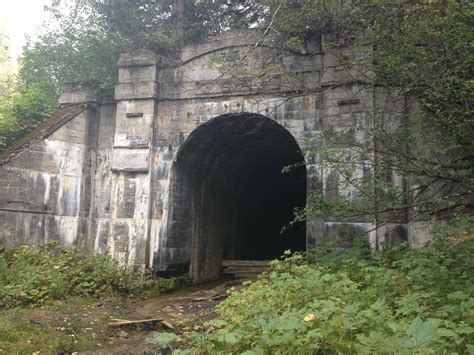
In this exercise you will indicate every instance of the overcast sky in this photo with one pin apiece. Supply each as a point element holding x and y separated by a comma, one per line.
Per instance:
<point>20,18</point>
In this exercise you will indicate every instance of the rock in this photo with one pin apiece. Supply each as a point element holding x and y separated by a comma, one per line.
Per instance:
<point>122,334</point>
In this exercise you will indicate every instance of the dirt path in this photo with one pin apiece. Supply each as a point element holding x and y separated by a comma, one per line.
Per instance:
<point>182,308</point>
<point>82,326</point>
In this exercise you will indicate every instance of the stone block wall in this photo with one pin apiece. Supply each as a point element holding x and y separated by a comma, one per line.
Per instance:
<point>105,179</point>
<point>45,190</point>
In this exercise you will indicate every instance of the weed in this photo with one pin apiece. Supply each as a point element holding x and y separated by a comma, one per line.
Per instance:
<point>32,275</point>
<point>400,300</point>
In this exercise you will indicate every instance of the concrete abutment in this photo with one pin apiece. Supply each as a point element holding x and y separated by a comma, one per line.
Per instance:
<point>181,167</point>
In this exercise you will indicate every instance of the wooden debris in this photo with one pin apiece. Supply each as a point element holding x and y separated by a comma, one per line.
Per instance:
<point>220,296</point>
<point>245,263</point>
<point>134,323</point>
<point>168,325</point>
<point>210,298</point>
<point>245,269</point>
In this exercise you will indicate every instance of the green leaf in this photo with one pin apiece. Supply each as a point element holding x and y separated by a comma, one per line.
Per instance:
<point>163,339</point>
<point>216,323</point>
<point>231,339</point>
<point>421,333</point>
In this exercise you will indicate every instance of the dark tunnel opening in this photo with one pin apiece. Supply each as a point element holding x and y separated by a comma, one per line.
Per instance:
<point>230,198</point>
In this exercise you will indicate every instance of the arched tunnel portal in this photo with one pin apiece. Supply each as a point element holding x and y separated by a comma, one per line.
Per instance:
<point>230,198</point>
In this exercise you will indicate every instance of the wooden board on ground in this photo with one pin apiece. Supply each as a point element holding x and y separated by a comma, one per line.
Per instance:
<point>116,323</point>
<point>245,263</point>
<point>247,270</point>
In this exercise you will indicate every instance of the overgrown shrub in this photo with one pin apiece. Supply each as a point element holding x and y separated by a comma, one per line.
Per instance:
<point>401,300</point>
<point>37,274</point>
<point>23,108</point>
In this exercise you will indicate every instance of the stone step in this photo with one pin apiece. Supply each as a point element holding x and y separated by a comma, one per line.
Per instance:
<point>245,263</point>
<point>252,277</point>
<point>245,269</point>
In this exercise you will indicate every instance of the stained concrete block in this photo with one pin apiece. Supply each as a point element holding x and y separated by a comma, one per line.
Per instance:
<point>131,159</point>
<point>135,90</point>
<point>131,74</point>
<point>138,58</point>
<point>80,92</point>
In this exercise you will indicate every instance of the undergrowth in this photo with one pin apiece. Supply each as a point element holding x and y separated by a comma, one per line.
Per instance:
<point>58,300</point>
<point>401,300</point>
<point>34,275</point>
<point>20,336</point>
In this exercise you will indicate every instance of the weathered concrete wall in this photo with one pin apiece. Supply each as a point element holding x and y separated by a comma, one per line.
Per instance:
<point>104,180</point>
<point>45,190</point>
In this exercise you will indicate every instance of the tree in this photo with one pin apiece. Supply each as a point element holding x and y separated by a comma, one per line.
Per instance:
<point>84,38</point>
<point>422,56</point>
<point>6,66</point>
<point>23,108</point>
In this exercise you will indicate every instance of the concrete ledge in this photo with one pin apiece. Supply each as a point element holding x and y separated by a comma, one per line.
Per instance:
<point>74,93</point>
<point>225,40</point>
<point>138,58</point>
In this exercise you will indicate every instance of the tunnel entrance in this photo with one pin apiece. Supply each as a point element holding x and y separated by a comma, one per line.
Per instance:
<point>230,199</point>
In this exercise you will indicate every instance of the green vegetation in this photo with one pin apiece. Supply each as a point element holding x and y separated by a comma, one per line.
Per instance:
<point>54,328</point>
<point>23,108</point>
<point>55,299</point>
<point>6,67</point>
<point>401,300</point>
<point>49,295</point>
<point>420,54</point>
<point>35,275</point>
<point>398,300</point>
<point>21,336</point>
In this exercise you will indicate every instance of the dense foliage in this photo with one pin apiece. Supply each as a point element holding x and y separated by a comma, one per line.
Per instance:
<point>402,300</point>
<point>6,67</point>
<point>85,37</point>
<point>422,57</point>
<point>23,108</point>
<point>32,275</point>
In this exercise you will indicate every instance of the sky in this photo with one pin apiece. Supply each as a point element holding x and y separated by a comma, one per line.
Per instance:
<point>20,18</point>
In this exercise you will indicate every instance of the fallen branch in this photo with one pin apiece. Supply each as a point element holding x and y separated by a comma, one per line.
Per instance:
<point>168,325</point>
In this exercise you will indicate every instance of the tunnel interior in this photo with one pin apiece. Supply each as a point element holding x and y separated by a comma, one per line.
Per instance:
<point>231,199</point>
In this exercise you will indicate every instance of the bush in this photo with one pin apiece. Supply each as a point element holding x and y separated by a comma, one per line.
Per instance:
<point>22,109</point>
<point>31,275</point>
<point>397,301</point>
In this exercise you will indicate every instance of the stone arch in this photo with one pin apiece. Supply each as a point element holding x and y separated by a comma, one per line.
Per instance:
<point>229,197</point>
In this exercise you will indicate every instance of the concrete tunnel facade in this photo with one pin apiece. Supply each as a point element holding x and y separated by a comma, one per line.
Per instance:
<point>182,166</point>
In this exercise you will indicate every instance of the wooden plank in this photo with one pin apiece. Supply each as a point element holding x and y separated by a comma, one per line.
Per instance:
<point>247,270</point>
<point>246,276</point>
<point>228,263</point>
<point>211,298</point>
